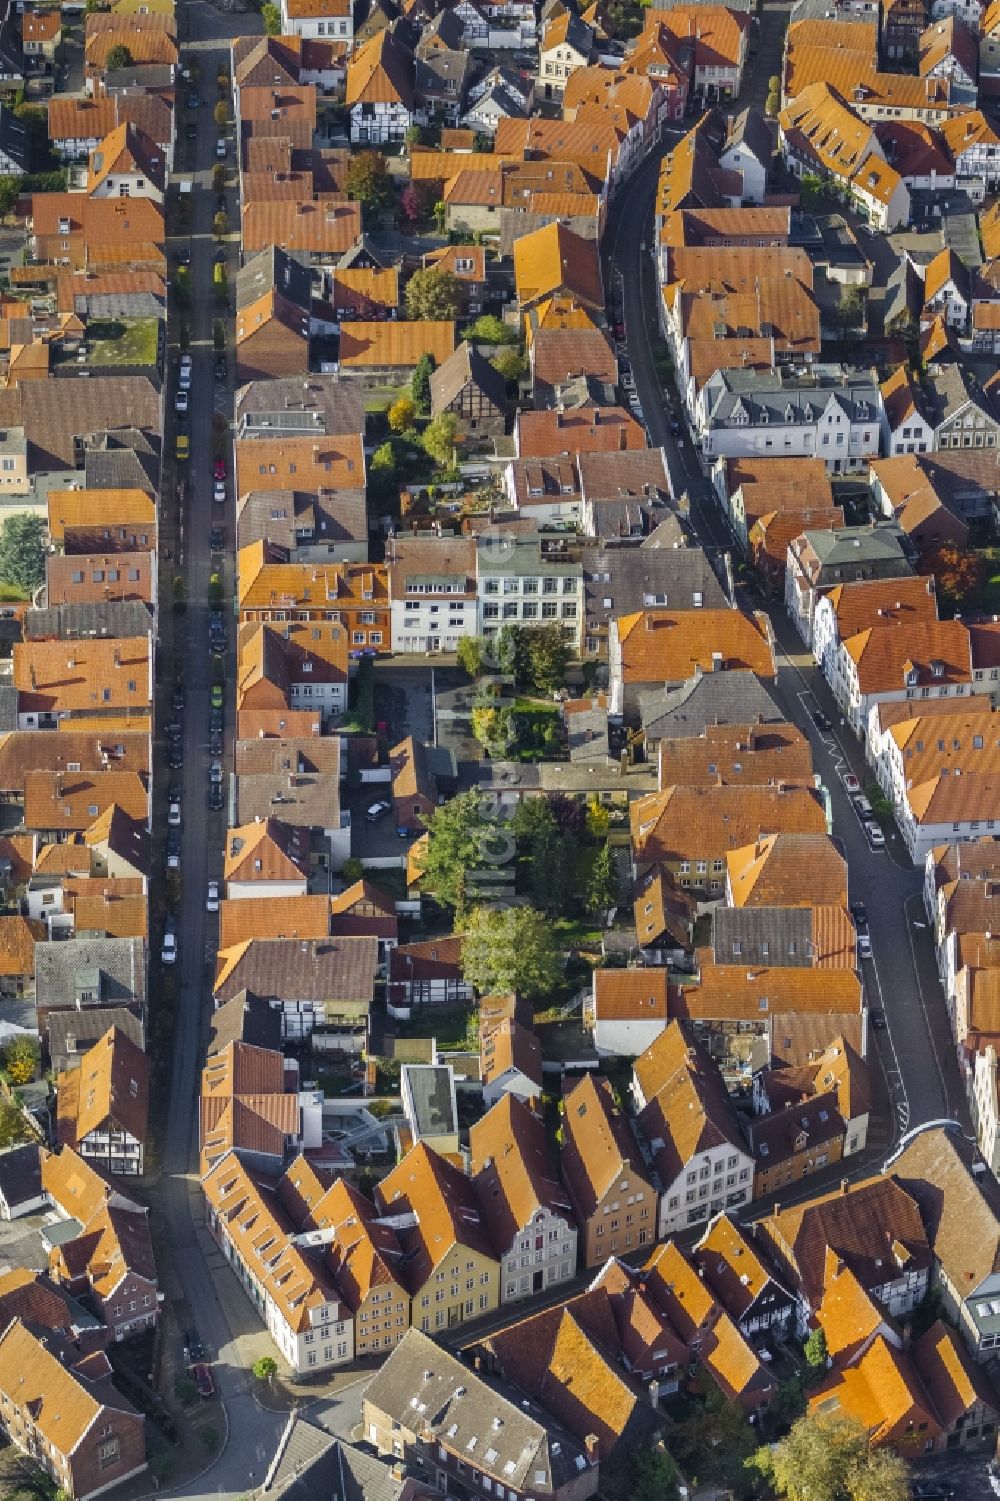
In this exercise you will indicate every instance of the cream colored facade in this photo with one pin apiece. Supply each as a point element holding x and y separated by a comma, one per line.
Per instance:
<point>464,1286</point>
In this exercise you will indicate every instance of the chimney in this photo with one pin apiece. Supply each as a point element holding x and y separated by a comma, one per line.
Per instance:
<point>717,661</point>
<point>622,440</point>
<point>654,1394</point>
<point>844,1187</point>
<point>590,1444</point>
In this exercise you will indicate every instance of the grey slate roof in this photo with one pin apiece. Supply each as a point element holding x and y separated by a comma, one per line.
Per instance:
<point>424,1386</point>
<point>8,707</point>
<point>322,969</point>
<point>619,580</point>
<point>750,132</point>
<point>714,698</point>
<point>948,388</point>
<point>116,964</point>
<point>310,799</point>
<point>13,138</point>
<point>765,397</point>
<point>246,1018</point>
<point>297,405</point>
<point>587,736</point>
<point>73,621</point>
<point>278,516</point>
<point>311,1464</point>
<point>776,936</point>
<point>20,1175</point>
<point>72,1032</point>
<point>852,545</point>
<point>273,270</point>
<point>120,469</point>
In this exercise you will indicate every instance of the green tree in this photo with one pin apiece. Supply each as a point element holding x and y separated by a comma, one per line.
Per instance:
<point>440,437</point>
<point>401,414</point>
<point>652,1474</point>
<point>489,329</point>
<point>420,381</point>
<point>598,819</point>
<point>512,950</point>
<point>368,180</point>
<point>510,364</point>
<point>470,655</point>
<point>20,1059</point>
<point>602,887</point>
<point>384,458</point>
<point>271,15</point>
<point>492,727</point>
<point>825,1457</point>
<point>9,189</point>
<point>456,831</point>
<point>352,870</point>
<point>220,225</point>
<point>265,1368</point>
<point>714,1443</point>
<point>811,190</point>
<point>434,293</point>
<point>440,216</point>
<point>118,57</point>
<point>414,136</point>
<point>220,114</point>
<point>815,1351</point>
<point>547,655</point>
<point>218,178</point>
<point>22,552</point>
<point>533,822</point>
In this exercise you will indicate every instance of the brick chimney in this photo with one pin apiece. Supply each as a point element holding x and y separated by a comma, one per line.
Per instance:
<point>590,1444</point>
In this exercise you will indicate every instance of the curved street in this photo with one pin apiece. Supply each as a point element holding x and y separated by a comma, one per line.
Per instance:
<point>915,1049</point>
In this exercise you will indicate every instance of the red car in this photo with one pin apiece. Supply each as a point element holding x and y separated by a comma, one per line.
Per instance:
<point>203,1379</point>
<point>219,469</point>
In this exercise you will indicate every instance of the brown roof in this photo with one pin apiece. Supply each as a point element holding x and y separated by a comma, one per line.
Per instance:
<point>62,1405</point>
<point>709,823</point>
<point>688,1110</point>
<point>278,917</point>
<point>737,754</point>
<point>872,602</point>
<point>512,1171</point>
<point>380,72</point>
<point>770,872</point>
<point>393,344</point>
<point>23,751</point>
<point>83,676</point>
<point>510,1045</point>
<point>73,800</point>
<point>599,1144</point>
<point>563,354</point>
<point>266,851</point>
<point>951,1378</point>
<point>670,646</point>
<point>732,1265</point>
<point>873,1226</point>
<point>631,994</point>
<point>938,652</point>
<point>323,227</point>
<point>733,990</point>
<point>110,1088</point>
<point>582,429</point>
<point>18,936</point>
<point>95,510</point>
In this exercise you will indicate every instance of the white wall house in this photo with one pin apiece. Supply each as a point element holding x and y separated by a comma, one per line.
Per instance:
<point>379,123</point>
<point>541,1255</point>
<point>747,413</point>
<point>333,20</point>
<point>435,620</point>
<point>629,1010</point>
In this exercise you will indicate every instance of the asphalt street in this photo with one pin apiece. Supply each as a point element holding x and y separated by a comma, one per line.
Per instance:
<point>251,1432</point>
<point>915,1051</point>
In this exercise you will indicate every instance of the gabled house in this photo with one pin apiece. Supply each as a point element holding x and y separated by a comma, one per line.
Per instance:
<point>467,385</point>
<point>740,1276</point>
<point>273,299</point>
<point>602,1167</point>
<point>379,94</point>
<point>525,1208</point>
<point>102,1108</point>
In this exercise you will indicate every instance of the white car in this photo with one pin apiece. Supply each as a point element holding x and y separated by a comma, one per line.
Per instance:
<point>851,783</point>
<point>174,815</point>
<point>186,360</point>
<point>875,836</point>
<point>864,946</point>
<point>219,491</point>
<point>184,378</point>
<point>181,402</point>
<point>212,899</point>
<point>220,148</point>
<point>168,953</point>
<point>215,773</point>
<point>863,806</point>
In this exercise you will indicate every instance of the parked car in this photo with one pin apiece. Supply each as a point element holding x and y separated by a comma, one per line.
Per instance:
<point>860,914</point>
<point>193,1347</point>
<point>851,783</point>
<point>219,469</point>
<point>821,722</point>
<point>181,402</point>
<point>220,367</point>
<point>875,836</point>
<point>215,773</point>
<point>863,806</point>
<point>216,539</point>
<point>864,946</point>
<point>191,131</point>
<point>177,699</point>
<point>192,100</point>
<point>174,815</point>
<point>217,695</point>
<point>215,743</point>
<point>173,850</point>
<point>221,148</point>
<point>175,756</point>
<point>212,899</point>
<point>378,810</point>
<point>203,1379</point>
<point>168,953</point>
<point>182,448</point>
<point>877,1017</point>
<point>184,256</point>
<point>215,797</point>
<point>219,491</point>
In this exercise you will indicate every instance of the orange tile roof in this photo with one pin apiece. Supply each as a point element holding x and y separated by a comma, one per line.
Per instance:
<point>83,676</point>
<point>599,1144</point>
<point>631,994</point>
<point>737,754</point>
<point>937,651</point>
<point>579,430</point>
<point>445,1205</point>
<point>709,823</point>
<point>18,936</point>
<point>267,851</point>
<point>322,227</point>
<point>110,1089</point>
<point>291,463</point>
<point>396,345</point>
<point>512,1171</point>
<point>279,917</point>
<point>73,800</point>
<point>93,510</point>
<point>883,1394</point>
<point>788,870</point>
<point>553,260</point>
<point>664,646</point>
<point>873,602</point>
<point>380,72</point>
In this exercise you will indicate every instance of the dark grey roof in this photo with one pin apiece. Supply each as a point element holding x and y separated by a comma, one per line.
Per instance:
<point>465,366</point>
<point>516,1442</point>
<point>20,1175</point>
<point>8,706</point>
<point>59,416</point>
<point>667,533</point>
<point>446,26</point>
<point>73,621</point>
<point>574,392</point>
<point>321,969</point>
<point>13,138</point>
<point>140,76</point>
<point>433,72</point>
<point>776,936</point>
<point>579,35</point>
<point>273,270</point>
<point>246,1018</point>
<point>587,735</point>
<point>115,965</point>
<point>845,545</point>
<point>309,800</point>
<point>620,580</point>
<point>363,253</point>
<point>749,130</point>
<point>72,1032</point>
<point>120,469</point>
<point>310,1464</point>
<point>300,519</point>
<point>764,396</point>
<point>299,404</point>
<point>103,305</point>
<point>714,698</point>
<point>614,521</point>
<point>903,293</point>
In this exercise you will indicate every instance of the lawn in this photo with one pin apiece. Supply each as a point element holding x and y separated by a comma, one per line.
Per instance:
<point>989,595</point>
<point>536,726</point>
<point>10,592</point>
<point>452,1027</point>
<point>123,341</point>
